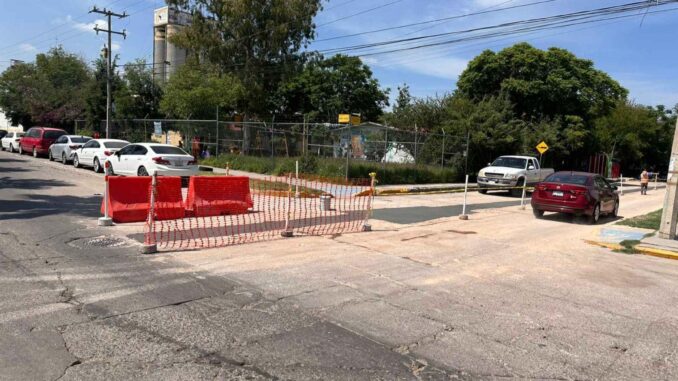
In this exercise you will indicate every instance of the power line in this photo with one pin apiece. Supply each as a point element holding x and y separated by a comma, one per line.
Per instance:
<point>359,13</point>
<point>434,21</point>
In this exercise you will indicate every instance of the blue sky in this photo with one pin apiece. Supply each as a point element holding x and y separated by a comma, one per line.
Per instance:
<point>640,56</point>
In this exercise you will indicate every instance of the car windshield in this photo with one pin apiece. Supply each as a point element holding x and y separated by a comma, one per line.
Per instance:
<point>115,144</point>
<point>168,150</point>
<point>510,162</point>
<point>567,178</point>
<point>51,134</point>
<point>80,139</point>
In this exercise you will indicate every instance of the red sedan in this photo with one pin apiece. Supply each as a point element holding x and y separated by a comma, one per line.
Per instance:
<point>578,193</point>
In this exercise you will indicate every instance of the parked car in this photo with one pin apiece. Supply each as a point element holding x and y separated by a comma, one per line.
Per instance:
<point>64,147</point>
<point>578,193</point>
<point>10,141</point>
<point>511,172</point>
<point>38,140</point>
<point>96,152</point>
<point>146,159</point>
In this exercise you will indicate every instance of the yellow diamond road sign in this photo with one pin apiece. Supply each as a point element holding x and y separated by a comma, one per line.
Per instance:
<point>542,147</point>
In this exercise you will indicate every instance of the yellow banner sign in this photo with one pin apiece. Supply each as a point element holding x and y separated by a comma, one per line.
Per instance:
<point>344,118</point>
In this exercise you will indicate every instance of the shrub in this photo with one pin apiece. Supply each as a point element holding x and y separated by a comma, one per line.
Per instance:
<point>387,173</point>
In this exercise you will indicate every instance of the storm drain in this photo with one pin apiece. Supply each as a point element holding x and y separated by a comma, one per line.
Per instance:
<point>101,242</point>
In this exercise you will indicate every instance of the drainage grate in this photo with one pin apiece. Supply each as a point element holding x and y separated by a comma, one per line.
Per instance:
<point>105,242</point>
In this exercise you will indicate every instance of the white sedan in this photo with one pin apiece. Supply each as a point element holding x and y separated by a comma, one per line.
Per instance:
<point>96,152</point>
<point>11,141</point>
<point>146,159</point>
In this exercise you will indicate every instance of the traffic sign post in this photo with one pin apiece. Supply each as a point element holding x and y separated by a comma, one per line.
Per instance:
<point>542,147</point>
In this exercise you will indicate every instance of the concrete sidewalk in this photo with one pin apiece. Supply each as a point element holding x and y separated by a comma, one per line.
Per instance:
<point>659,247</point>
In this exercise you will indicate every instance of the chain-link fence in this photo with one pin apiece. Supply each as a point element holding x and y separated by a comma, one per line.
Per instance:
<point>368,142</point>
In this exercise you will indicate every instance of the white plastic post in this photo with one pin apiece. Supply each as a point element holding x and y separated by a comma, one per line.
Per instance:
<point>296,186</point>
<point>288,231</point>
<point>522,198</point>
<point>106,219</point>
<point>367,227</point>
<point>655,181</point>
<point>463,215</point>
<point>151,246</point>
<point>621,184</point>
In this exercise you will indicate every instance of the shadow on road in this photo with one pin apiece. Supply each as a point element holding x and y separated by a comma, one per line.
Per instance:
<point>42,205</point>
<point>8,182</point>
<point>14,169</point>
<point>416,214</point>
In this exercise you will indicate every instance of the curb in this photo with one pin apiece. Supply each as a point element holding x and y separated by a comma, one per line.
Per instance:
<point>656,252</point>
<point>607,245</point>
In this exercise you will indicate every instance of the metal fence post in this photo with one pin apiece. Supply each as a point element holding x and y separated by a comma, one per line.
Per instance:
<point>105,220</point>
<point>442,152</point>
<point>655,181</point>
<point>463,215</point>
<point>288,230</point>
<point>367,227</point>
<point>150,245</point>
<point>296,184</point>
<point>216,149</point>
<point>621,184</point>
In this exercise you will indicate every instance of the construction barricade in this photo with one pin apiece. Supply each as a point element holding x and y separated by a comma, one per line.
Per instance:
<point>225,210</point>
<point>129,198</point>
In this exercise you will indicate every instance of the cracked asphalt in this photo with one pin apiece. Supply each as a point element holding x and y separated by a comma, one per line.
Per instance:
<point>424,296</point>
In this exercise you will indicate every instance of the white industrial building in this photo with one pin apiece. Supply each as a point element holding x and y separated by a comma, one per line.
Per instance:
<point>6,124</point>
<point>166,56</point>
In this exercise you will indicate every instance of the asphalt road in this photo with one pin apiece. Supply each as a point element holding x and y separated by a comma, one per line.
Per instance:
<point>75,307</point>
<point>424,296</point>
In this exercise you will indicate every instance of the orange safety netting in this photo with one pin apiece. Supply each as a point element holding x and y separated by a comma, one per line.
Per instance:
<point>228,210</point>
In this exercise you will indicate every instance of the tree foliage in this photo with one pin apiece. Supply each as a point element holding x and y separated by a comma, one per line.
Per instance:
<point>140,96</point>
<point>195,91</point>
<point>257,41</point>
<point>328,87</point>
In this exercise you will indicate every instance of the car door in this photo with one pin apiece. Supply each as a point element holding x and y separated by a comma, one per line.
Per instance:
<point>137,159</point>
<point>605,194</point>
<point>58,146</point>
<point>85,153</point>
<point>531,172</point>
<point>121,160</point>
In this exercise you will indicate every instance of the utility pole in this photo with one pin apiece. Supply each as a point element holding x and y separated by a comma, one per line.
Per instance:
<point>109,57</point>
<point>667,229</point>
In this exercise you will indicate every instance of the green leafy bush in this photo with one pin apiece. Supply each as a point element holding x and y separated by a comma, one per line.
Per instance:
<point>387,173</point>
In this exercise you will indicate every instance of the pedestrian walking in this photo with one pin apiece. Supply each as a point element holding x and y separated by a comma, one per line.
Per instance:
<point>195,147</point>
<point>644,181</point>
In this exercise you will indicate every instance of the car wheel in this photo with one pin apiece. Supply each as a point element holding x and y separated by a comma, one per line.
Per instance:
<point>518,190</point>
<point>595,216</point>
<point>482,191</point>
<point>11,148</point>
<point>35,152</point>
<point>615,211</point>
<point>96,166</point>
<point>63,159</point>
<point>21,150</point>
<point>538,213</point>
<point>142,171</point>
<point>49,155</point>
<point>76,161</point>
<point>109,170</point>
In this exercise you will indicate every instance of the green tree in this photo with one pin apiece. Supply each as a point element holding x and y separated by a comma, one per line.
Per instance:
<point>17,85</point>
<point>257,41</point>
<point>48,92</point>
<point>541,84</point>
<point>195,91</point>
<point>328,87</point>
<point>141,96</point>
<point>96,90</point>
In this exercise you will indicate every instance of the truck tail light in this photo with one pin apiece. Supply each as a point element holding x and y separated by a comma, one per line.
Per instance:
<point>160,160</point>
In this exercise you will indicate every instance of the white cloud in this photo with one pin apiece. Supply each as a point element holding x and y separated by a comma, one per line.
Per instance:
<point>115,46</point>
<point>89,27</point>
<point>27,48</point>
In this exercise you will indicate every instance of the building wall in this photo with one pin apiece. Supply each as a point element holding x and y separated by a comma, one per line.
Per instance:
<point>5,124</point>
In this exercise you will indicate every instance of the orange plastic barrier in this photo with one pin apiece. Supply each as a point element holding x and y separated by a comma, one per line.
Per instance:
<point>129,198</point>
<point>218,195</point>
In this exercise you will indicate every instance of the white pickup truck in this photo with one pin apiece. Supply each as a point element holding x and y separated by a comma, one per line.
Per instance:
<point>511,172</point>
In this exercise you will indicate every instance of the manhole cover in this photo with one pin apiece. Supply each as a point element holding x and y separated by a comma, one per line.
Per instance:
<point>100,242</point>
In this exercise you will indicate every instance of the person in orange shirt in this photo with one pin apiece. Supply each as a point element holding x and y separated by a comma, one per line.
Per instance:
<point>644,180</point>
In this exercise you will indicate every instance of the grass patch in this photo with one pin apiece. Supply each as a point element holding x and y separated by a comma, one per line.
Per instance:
<point>387,173</point>
<point>651,220</point>
<point>629,246</point>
